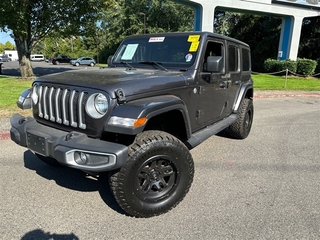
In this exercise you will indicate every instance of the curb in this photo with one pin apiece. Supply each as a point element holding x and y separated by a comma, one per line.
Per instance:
<point>282,95</point>
<point>6,135</point>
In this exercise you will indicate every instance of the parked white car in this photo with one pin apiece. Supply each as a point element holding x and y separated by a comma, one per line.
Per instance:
<point>37,57</point>
<point>83,61</point>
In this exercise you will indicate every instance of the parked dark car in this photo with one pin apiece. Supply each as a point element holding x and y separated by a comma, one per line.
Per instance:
<point>4,58</point>
<point>61,59</point>
<point>83,61</point>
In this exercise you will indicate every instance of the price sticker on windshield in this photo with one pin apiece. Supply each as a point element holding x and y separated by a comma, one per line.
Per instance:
<point>194,38</point>
<point>194,46</point>
<point>129,52</point>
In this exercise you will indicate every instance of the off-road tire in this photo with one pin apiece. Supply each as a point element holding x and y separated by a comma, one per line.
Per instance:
<point>156,177</point>
<point>48,160</point>
<point>241,128</point>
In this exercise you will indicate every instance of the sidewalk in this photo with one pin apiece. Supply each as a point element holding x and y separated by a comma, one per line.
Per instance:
<point>280,94</point>
<point>5,122</point>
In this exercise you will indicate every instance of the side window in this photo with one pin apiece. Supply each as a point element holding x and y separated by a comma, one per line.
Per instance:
<point>213,49</point>
<point>233,56</point>
<point>245,59</point>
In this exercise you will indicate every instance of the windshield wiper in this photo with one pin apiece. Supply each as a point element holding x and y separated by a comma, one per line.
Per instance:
<point>129,66</point>
<point>155,63</point>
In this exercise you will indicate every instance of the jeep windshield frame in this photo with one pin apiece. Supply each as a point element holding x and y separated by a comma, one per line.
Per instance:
<point>165,51</point>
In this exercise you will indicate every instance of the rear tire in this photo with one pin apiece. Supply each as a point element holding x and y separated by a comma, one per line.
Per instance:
<point>241,128</point>
<point>156,177</point>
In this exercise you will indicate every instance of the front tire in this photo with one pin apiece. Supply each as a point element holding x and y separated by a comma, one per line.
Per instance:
<point>241,128</point>
<point>156,177</point>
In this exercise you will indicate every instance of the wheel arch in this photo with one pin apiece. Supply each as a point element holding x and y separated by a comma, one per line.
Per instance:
<point>246,91</point>
<point>167,113</point>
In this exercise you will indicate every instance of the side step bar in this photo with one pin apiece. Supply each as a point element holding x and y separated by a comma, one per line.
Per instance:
<point>203,134</point>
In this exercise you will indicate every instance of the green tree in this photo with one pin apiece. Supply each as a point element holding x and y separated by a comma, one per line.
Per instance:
<point>310,39</point>
<point>8,46</point>
<point>262,33</point>
<point>126,17</point>
<point>31,21</point>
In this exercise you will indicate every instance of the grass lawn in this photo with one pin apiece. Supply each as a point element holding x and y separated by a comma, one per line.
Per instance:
<point>292,83</point>
<point>11,87</point>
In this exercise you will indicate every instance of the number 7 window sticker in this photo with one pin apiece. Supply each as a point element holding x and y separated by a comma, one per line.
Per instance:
<point>194,45</point>
<point>194,40</point>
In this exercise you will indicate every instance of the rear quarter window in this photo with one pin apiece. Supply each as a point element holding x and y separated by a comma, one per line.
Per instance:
<point>233,57</point>
<point>245,59</point>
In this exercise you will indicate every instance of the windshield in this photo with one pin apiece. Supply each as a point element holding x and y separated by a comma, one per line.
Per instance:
<point>168,51</point>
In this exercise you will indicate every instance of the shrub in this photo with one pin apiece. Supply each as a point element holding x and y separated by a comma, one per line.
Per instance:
<point>287,64</point>
<point>270,65</point>
<point>306,67</point>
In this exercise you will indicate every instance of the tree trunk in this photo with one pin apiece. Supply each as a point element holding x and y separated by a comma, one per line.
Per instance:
<point>24,58</point>
<point>25,67</point>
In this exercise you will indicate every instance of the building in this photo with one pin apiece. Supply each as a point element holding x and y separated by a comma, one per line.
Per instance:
<point>13,54</point>
<point>292,13</point>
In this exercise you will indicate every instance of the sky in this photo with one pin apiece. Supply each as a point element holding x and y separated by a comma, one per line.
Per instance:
<point>4,37</point>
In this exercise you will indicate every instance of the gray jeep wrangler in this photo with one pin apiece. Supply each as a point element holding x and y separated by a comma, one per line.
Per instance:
<point>162,95</point>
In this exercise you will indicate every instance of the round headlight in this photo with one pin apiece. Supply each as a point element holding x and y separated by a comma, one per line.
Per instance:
<point>97,105</point>
<point>101,103</point>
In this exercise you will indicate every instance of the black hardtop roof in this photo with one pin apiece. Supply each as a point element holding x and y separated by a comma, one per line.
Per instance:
<point>202,34</point>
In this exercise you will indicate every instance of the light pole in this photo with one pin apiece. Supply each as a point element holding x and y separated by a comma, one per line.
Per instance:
<point>144,21</point>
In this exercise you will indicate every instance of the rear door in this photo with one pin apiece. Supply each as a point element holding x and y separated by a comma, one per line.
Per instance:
<point>233,76</point>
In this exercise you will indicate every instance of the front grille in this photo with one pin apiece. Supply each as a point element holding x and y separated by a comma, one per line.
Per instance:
<point>63,106</point>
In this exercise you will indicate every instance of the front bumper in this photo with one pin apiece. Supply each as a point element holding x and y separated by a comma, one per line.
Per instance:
<point>73,149</point>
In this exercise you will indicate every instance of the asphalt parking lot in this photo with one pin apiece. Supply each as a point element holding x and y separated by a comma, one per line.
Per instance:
<point>39,68</point>
<point>264,187</point>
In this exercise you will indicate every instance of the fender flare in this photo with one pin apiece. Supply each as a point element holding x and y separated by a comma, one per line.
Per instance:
<point>245,88</point>
<point>147,107</point>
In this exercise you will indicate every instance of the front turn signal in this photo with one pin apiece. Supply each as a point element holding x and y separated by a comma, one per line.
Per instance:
<point>139,122</point>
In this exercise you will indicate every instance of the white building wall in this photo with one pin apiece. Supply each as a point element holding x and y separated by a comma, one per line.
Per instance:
<point>13,54</point>
<point>288,45</point>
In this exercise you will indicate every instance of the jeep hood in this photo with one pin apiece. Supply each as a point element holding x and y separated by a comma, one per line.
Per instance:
<point>133,82</point>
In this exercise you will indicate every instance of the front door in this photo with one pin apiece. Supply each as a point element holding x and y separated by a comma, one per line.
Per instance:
<point>212,90</point>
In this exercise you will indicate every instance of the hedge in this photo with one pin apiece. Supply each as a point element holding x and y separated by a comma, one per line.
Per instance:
<point>302,66</point>
<point>306,67</point>
<point>272,65</point>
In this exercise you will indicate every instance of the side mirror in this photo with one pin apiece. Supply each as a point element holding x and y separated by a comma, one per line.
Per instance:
<point>214,64</point>
<point>24,101</point>
<point>109,61</point>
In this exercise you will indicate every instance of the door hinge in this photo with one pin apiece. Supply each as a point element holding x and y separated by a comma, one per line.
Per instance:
<point>121,97</point>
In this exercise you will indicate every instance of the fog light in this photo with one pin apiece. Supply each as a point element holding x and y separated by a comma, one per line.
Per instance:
<point>80,157</point>
<point>83,157</point>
